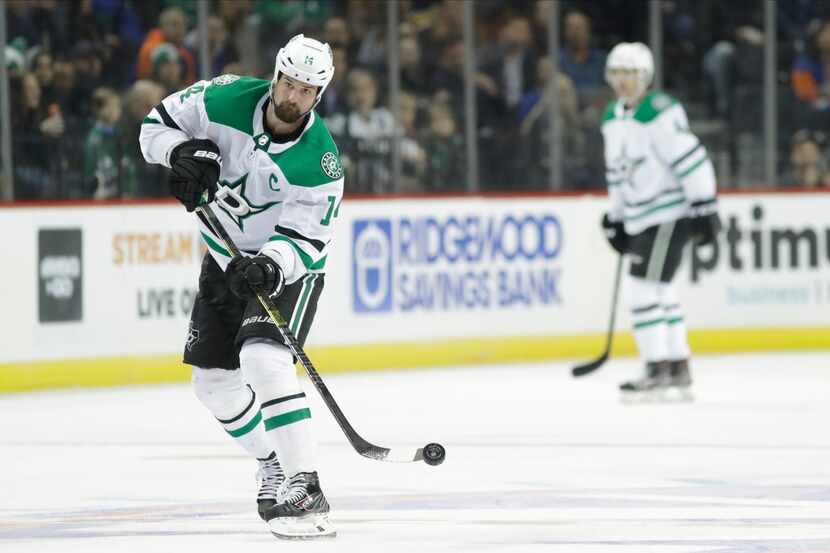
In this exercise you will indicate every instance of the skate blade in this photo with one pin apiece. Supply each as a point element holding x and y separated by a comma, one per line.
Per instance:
<point>672,394</point>
<point>640,396</point>
<point>677,394</point>
<point>309,527</point>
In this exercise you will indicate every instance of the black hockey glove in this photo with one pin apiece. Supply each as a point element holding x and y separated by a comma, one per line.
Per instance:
<point>704,222</point>
<point>194,170</point>
<point>615,234</point>
<point>249,275</point>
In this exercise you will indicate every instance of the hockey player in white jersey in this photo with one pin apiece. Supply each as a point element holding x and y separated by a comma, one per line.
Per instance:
<point>280,187</point>
<point>662,192</point>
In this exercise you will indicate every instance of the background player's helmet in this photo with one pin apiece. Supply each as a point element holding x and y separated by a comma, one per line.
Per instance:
<point>307,60</point>
<point>633,56</point>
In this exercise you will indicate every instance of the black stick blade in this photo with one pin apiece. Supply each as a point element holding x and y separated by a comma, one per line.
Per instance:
<point>588,368</point>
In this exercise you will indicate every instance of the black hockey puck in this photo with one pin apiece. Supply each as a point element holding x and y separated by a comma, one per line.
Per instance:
<point>434,454</point>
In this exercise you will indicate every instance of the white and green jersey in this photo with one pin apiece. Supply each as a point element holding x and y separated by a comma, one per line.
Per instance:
<point>655,166</point>
<point>278,198</point>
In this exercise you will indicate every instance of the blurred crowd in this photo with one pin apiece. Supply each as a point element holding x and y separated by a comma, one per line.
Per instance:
<point>84,73</point>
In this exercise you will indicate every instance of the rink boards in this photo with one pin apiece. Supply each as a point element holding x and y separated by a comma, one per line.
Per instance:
<point>101,295</point>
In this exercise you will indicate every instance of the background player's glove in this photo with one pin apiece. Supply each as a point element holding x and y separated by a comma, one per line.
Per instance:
<point>615,234</point>
<point>704,222</point>
<point>248,275</point>
<point>194,168</point>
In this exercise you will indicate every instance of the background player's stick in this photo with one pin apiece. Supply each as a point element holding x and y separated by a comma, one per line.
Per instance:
<point>431,454</point>
<point>587,368</point>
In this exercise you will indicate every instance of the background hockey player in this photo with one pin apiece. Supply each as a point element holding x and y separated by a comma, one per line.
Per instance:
<point>281,184</point>
<point>662,192</point>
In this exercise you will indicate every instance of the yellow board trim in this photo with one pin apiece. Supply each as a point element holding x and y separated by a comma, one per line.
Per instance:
<point>120,371</point>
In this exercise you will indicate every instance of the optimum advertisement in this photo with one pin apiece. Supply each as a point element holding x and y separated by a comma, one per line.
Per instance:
<point>771,265</point>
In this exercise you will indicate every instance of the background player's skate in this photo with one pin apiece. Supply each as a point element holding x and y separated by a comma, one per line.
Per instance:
<point>663,381</point>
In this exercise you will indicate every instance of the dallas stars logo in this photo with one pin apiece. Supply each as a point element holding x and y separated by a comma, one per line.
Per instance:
<point>192,337</point>
<point>623,167</point>
<point>232,200</point>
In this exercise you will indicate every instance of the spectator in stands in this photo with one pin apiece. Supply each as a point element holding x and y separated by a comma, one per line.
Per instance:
<point>810,74</point>
<point>337,34</point>
<point>15,62</point>
<point>808,164</point>
<point>371,49</point>
<point>42,22</point>
<point>88,67</point>
<point>34,131</point>
<point>334,100</point>
<point>413,157</point>
<point>63,83</point>
<point>539,26</point>
<point>31,113</point>
<point>444,149</point>
<point>363,134</point>
<point>43,69</point>
<point>496,128</point>
<point>583,63</point>
<point>108,171</point>
<point>115,29</point>
<point>167,71</point>
<point>172,28</point>
<point>731,64</point>
<point>279,20</point>
<point>448,85</point>
<point>514,73</point>
<point>234,13</point>
<point>534,151</point>
<point>142,97</point>
<point>221,50</point>
<point>438,26</point>
<point>413,73</point>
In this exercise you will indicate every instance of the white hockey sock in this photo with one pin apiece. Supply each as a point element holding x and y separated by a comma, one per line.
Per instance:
<point>269,367</point>
<point>235,406</point>
<point>648,319</point>
<point>678,342</point>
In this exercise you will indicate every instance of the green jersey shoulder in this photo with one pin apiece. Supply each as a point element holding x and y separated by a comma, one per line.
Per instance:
<point>653,104</point>
<point>230,100</point>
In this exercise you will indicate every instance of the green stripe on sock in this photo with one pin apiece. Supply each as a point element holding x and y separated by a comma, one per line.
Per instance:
<point>287,418</point>
<point>645,324</point>
<point>674,320</point>
<point>247,428</point>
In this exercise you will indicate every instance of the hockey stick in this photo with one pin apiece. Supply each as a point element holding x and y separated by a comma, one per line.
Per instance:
<point>431,454</point>
<point>588,368</point>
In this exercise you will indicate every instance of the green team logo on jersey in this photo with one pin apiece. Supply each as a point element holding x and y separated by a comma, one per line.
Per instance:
<point>331,165</point>
<point>231,199</point>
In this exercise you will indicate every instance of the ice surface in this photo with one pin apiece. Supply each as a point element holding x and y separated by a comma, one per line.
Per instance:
<point>536,461</point>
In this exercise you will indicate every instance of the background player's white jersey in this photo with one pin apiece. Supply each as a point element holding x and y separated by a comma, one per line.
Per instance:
<point>281,196</point>
<point>655,166</point>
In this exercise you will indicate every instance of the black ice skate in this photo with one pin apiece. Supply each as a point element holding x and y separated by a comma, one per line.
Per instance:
<point>270,477</point>
<point>649,386</point>
<point>679,382</point>
<point>679,374</point>
<point>302,511</point>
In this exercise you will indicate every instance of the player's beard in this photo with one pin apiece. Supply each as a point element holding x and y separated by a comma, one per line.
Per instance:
<point>287,113</point>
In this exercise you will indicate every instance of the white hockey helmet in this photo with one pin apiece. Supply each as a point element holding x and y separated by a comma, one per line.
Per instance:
<point>631,56</point>
<point>307,60</point>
